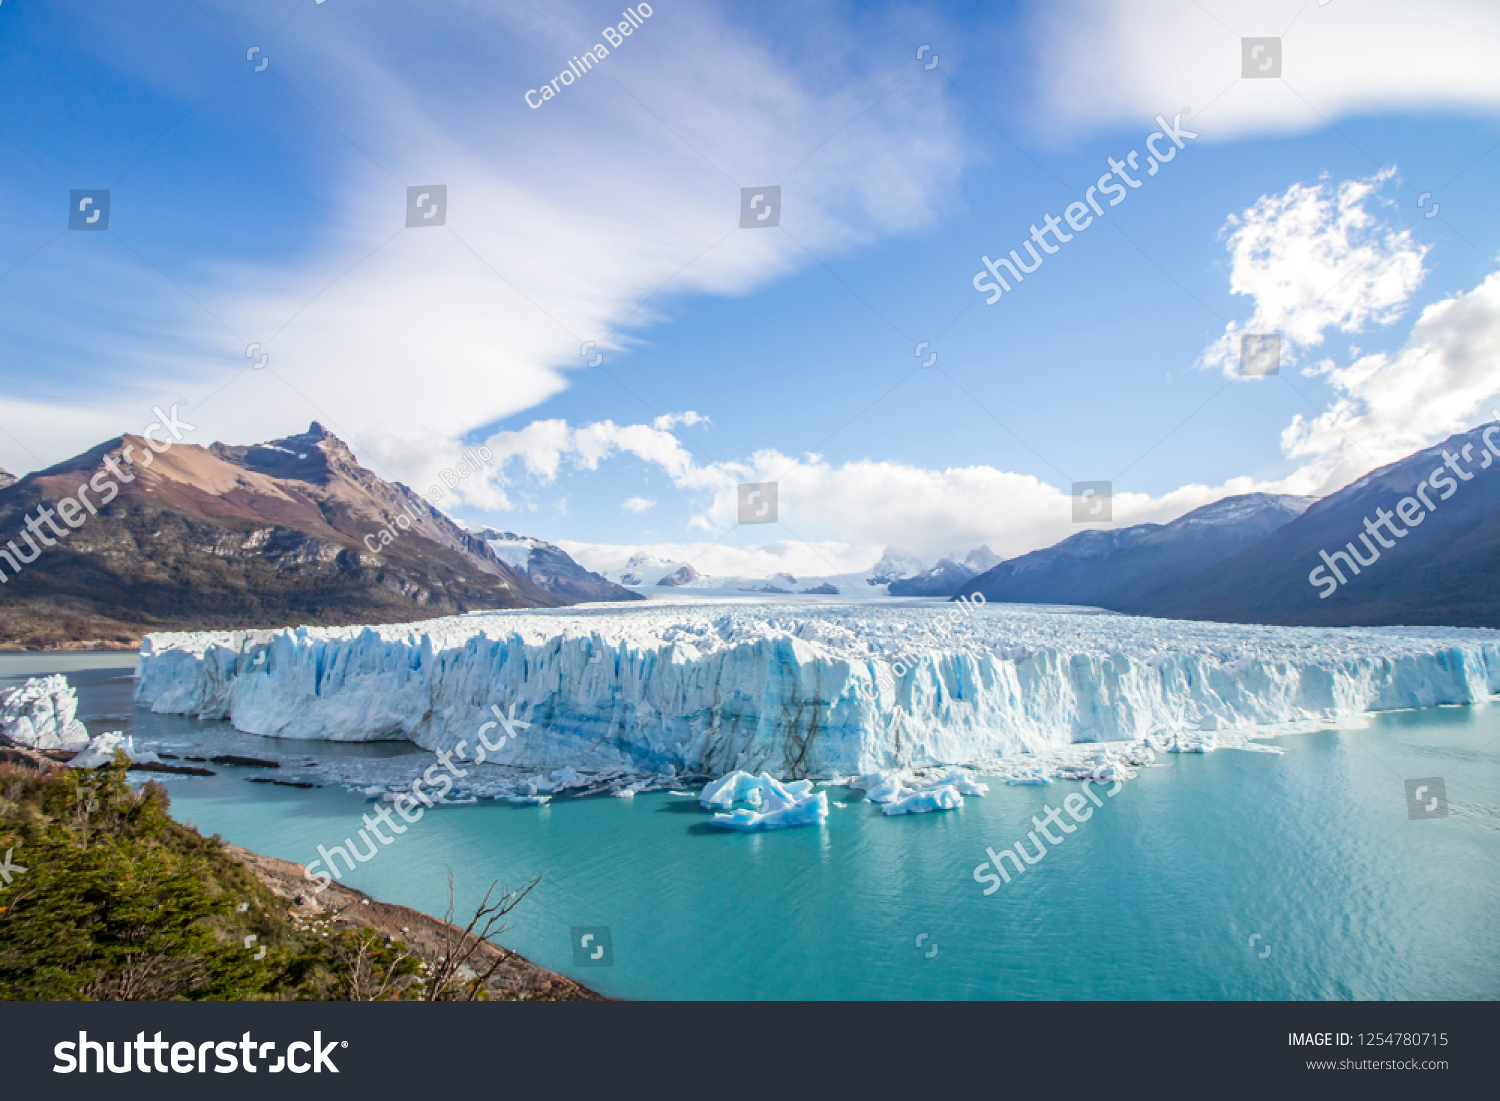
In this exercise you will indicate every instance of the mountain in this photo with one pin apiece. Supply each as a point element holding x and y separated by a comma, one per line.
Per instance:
<point>682,576</point>
<point>550,567</point>
<point>893,566</point>
<point>7,478</point>
<point>944,579</point>
<point>1121,568</point>
<point>981,558</point>
<point>284,533</point>
<point>1439,569</point>
<point>898,573</point>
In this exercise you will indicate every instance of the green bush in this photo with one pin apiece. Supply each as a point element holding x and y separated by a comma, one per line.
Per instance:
<point>119,902</point>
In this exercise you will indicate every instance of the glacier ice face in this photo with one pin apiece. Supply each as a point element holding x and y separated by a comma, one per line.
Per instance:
<point>40,715</point>
<point>807,690</point>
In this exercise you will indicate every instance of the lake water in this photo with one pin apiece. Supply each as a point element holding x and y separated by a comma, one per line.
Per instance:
<point>1158,895</point>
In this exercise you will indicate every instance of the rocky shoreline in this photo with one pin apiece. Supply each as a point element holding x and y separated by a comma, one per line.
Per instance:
<point>517,978</point>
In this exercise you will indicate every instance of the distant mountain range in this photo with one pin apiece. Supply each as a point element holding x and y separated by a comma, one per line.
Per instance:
<point>284,533</point>
<point>896,574</point>
<point>1414,543</point>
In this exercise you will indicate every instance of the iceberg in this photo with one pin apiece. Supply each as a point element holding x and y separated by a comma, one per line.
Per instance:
<point>704,690</point>
<point>101,751</point>
<point>40,715</point>
<point>782,806</point>
<point>943,797</point>
<point>906,793</point>
<point>741,787</point>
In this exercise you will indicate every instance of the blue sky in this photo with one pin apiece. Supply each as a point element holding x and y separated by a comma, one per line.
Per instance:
<point>268,207</point>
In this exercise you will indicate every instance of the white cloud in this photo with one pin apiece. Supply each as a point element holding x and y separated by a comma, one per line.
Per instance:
<point>638,504</point>
<point>1106,62</point>
<point>843,515</point>
<point>1316,258</point>
<point>668,421</point>
<point>1442,381</point>
<point>562,224</point>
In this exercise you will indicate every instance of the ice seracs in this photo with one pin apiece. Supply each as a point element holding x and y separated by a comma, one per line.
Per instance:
<point>40,715</point>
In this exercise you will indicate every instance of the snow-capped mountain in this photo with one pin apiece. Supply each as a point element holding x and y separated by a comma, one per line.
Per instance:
<point>549,567</point>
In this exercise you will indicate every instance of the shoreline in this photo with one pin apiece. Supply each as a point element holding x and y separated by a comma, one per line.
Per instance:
<point>517,979</point>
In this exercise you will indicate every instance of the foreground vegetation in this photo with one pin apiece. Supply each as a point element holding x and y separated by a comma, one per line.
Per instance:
<point>104,897</point>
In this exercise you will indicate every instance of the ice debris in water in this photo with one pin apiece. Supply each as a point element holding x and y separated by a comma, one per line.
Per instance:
<point>101,751</point>
<point>781,805</point>
<point>40,715</point>
<point>907,793</point>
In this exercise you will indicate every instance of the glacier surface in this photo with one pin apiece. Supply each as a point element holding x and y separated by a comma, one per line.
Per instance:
<point>819,690</point>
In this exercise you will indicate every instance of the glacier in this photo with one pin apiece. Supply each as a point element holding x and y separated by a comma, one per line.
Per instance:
<point>697,691</point>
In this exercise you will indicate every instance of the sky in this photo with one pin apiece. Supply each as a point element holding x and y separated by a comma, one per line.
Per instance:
<point>585,303</point>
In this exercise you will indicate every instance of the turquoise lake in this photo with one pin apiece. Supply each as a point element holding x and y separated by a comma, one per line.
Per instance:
<point>1157,896</point>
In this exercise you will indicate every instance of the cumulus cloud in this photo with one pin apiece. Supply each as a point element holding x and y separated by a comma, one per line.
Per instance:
<point>842,514</point>
<point>1316,258</point>
<point>1443,380</point>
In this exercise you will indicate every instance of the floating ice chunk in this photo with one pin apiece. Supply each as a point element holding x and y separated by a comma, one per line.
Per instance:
<point>962,781</point>
<point>1190,743</point>
<point>810,810</point>
<point>923,802</point>
<point>101,751</point>
<point>737,787</point>
<point>625,793</point>
<point>530,800</point>
<point>40,715</point>
<point>881,787</point>
<point>1029,776</point>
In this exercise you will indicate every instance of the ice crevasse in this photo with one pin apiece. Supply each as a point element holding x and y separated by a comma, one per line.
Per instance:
<point>799,691</point>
